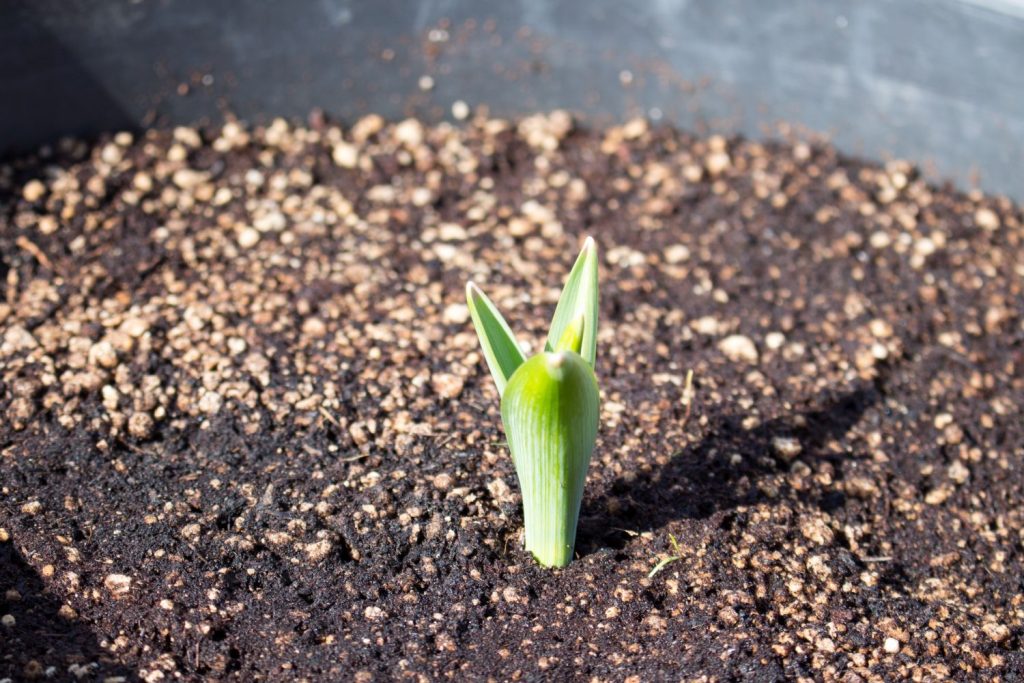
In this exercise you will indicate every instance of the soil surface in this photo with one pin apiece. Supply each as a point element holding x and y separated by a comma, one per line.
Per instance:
<point>248,433</point>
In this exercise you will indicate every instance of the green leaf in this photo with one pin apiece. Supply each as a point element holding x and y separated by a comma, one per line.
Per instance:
<point>578,298</point>
<point>550,412</point>
<point>664,562</point>
<point>499,343</point>
<point>668,559</point>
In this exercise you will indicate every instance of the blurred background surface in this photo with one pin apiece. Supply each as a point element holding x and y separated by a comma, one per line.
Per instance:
<point>938,82</point>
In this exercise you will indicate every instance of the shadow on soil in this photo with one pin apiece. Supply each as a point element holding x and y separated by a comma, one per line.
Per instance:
<point>705,478</point>
<point>40,637</point>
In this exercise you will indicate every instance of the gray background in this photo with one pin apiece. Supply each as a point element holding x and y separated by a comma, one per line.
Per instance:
<point>940,82</point>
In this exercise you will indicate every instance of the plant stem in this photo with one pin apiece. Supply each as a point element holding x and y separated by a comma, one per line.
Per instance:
<point>550,515</point>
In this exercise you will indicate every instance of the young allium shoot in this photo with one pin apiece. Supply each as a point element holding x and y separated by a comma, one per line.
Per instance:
<point>549,407</point>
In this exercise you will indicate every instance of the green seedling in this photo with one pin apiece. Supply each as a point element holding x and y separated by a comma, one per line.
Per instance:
<point>549,407</point>
<point>668,559</point>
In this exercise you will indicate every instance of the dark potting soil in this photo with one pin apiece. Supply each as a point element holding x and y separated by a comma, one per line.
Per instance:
<point>248,433</point>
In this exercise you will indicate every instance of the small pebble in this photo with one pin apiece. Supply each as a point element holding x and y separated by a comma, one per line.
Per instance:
<point>33,190</point>
<point>997,632</point>
<point>677,253</point>
<point>717,163</point>
<point>20,412</point>
<point>728,616</point>
<point>739,349</point>
<point>880,239</point>
<point>452,232</point>
<point>938,495</point>
<point>118,584</point>
<point>786,447</point>
<point>460,110</point>
<point>345,155</point>
<point>188,179</point>
<point>191,531</point>
<point>237,345</point>
<point>111,154</point>
<point>447,385</point>
<point>319,550</point>
<point>33,507</point>
<point>210,402</point>
<point>135,327</point>
<point>140,425</point>
<point>314,327</point>
<point>248,238</point>
<point>500,490</point>
<point>774,340</point>
<point>277,539</point>
<point>103,354</point>
<point>817,531</point>
<point>986,219</point>
<point>367,127</point>
<point>456,314</point>
<point>958,472</point>
<point>409,133</point>
<point>707,324</point>
<point>635,128</point>
<point>47,225</point>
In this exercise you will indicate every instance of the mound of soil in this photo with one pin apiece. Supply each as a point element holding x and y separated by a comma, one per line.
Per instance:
<point>249,434</point>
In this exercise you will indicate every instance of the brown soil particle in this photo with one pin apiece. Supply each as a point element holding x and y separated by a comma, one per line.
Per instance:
<point>249,434</point>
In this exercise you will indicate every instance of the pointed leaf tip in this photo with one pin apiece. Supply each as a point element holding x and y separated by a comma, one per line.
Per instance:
<point>579,298</point>
<point>501,350</point>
